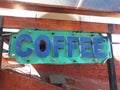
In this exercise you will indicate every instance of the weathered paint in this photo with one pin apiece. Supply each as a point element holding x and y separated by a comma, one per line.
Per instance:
<point>76,47</point>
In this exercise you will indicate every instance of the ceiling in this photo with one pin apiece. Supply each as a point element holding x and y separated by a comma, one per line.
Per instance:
<point>102,4</point>
<point>92,4</point>
<point>113,5</point>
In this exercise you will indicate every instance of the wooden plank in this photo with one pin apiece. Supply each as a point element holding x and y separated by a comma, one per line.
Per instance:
<point>57,9</point>
<point>20,22</point>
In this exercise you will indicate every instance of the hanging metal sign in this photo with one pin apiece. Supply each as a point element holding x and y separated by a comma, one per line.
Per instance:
<point>40,46</point>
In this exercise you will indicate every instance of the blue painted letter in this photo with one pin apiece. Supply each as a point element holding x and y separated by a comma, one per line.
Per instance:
<point>57,45</point>
<point>98,47</point>
<point>86,47</point>
<point>37,46</point>
<point>18,46</point>
<point>70,44</point>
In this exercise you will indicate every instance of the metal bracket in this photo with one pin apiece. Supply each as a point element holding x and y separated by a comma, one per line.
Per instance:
<point>110,63</point>
<point>57,79</point>
<point>110,27</point>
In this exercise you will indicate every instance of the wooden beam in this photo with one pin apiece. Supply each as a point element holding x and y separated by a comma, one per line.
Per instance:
<point>20,22</point>
<point>116,28</point>
<point>57,9</point>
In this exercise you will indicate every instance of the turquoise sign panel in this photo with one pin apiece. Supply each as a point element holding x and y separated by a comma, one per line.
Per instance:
<point>41,46</point>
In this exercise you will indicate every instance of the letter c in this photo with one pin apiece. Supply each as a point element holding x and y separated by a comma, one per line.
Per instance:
<point>18,45</point>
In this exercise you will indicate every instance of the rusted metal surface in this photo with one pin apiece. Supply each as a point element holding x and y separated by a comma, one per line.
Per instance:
<point>76,76</point>
<point>58,9</point>
<point>94,76</point>
<point>13,81</point>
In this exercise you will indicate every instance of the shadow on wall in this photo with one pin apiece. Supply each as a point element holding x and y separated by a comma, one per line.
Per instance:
<point>60,16</point>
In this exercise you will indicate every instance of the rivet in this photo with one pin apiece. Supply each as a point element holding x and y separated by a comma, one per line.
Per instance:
<point>53,33</point>
<point>28,61</point>
<point>74,60</point>
<point>74,33</point>
<point>95,60</point>
<point>30,32</point>
<point>53,59</point>
<point>13,55</point>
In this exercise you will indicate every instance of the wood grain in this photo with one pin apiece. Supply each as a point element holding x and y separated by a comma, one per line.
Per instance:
<point>20,22</point>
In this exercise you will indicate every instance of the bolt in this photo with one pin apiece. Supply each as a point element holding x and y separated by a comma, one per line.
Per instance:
<point>74,33</point>
<point>53,59</point>
<point>53,33</point>
<point>30,32</point>
<point>28,61</point>
<point>14,37</point>
<point>74,60</point>
<point>13,55</point>
<point>95,60</point>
